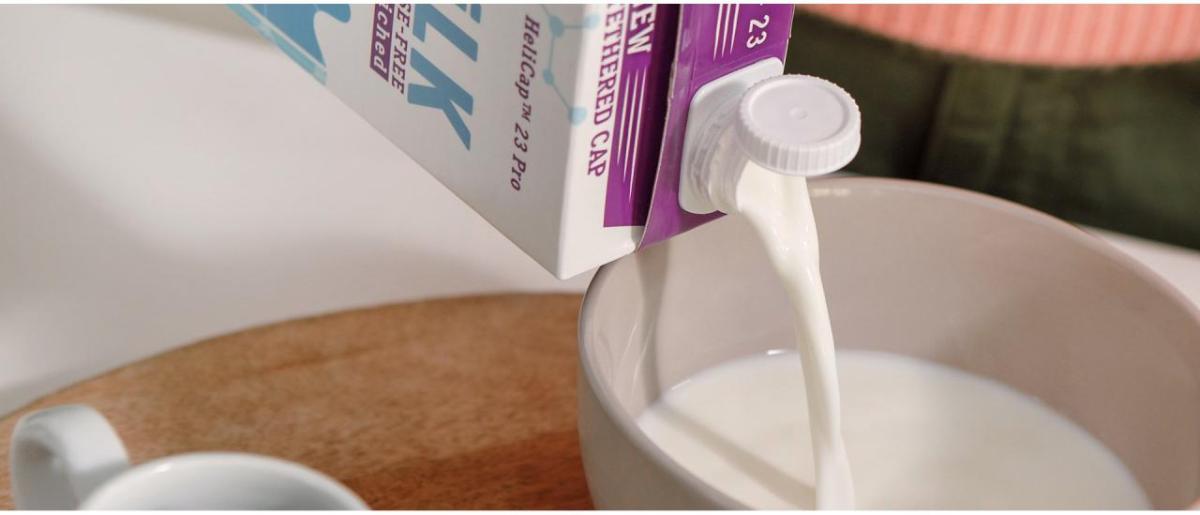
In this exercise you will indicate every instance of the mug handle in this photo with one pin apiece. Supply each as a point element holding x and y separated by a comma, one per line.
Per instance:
<point>61,454</point>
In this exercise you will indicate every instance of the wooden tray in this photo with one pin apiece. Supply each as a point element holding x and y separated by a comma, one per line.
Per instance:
<point>456,403</point>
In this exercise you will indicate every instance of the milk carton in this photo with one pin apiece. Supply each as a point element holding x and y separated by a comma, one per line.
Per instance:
<point>562,125</point>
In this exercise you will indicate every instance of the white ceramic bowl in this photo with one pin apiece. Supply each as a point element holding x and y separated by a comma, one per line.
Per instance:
<point>939,273</point>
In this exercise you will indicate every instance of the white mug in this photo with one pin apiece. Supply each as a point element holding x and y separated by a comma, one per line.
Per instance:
<point>70,457</point>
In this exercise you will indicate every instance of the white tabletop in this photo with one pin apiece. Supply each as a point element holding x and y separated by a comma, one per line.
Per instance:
<point>157,188</point>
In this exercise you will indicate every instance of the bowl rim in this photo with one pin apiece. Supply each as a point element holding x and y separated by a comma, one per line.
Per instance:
<point>1073,232</point>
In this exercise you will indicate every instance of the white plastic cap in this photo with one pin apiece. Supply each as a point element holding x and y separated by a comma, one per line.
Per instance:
<point>798,125</point>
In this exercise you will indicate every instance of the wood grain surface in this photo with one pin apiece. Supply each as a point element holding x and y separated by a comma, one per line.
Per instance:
<point>455,403</point>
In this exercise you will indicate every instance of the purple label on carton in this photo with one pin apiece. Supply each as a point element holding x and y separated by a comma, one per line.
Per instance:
<point>381,38</point>
<point>713,41</point>
<point>645,46</point>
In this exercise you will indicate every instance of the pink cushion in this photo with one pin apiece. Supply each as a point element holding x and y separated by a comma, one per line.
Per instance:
<point>1065,35</point>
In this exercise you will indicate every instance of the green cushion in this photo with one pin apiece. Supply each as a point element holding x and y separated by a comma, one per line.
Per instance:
<point>1117,148</point>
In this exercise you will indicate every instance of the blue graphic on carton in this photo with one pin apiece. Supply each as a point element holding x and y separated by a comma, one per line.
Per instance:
<point>575,114</point>
<point>291,28</point>
<point>443,92</point>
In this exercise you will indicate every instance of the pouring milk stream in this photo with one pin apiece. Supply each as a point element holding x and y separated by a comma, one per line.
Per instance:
<point>750,153</point>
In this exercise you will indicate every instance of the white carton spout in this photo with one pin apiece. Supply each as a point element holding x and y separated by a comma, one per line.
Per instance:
<point>789,124</point>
